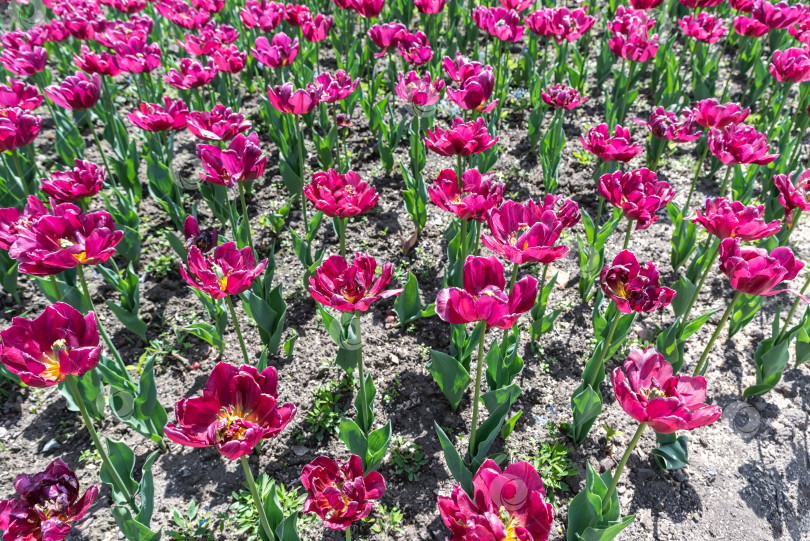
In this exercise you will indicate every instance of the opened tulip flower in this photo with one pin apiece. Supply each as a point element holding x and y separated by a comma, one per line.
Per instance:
<point>743,6</point>
<point>204,240</point>
<point>238,409</point>
<point>229,59</point>
<point>59,342</point>
<point>137,56</point>
<point>668,125</point>
<point>19,94</point>
<point>430,7</point>
<point>192,74</point>
<point>461,69</point>
<point>476,196</point>
<point>182,14</point>
<point>610,148</point>
<point>368,8</point>
<point>386,35</point>
<point>84,180</point>
<point>560,23</point>
<point>277,53</point>
<point>418,91</point>
<point>517,5</point>
<point>710,113</point>
<point>501,23</point>
<point>703,27</point>
<point>77,92</point>
<point>210,39</point>
<point>241,161</point>
<point>634,287</point>
<point>153,117</point>
<point>563,97</point>
<point>264,15</point>
<point>750,27</point>
<point>25,60</point>
<point>636,46</point>
<point>336,87</point>
<point>219,124</point>
<point>524,233</point>
<point>102,63</point>
<point>508,504</point>
<point>340,195</point>
<point>287,99</point>
<point>339,492</point>
<point>567,211</point>
<point>461,139</point>
<point>474,93</point>
<point>779,15</point>
<point>316,29</point>
<point>351,288</point>
<point>793,194</point>
<point>414,48</point>
<point>800,30</point>
<point>756,272</point>
<point>639,194</point>
<point>18,128</point>
<point>733,220</point>
<point>790,66</point>
<point>228,271</point>
<point>47,505</point>
<point>740,143</point>
<point>645,4</point>
<point>12,220</point>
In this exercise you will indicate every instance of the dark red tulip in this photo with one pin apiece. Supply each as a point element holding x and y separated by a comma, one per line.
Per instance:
<point>228,271</point>
<point>756,272</point>
<point>462,139</point>
<point>639,194</point>
<point>340,195</point>
<point>731,219</point>
<point>83,181</point>
<point>524,233</point>
<point>350,288</point>
<point>476,196</point>
<point>634,287</point>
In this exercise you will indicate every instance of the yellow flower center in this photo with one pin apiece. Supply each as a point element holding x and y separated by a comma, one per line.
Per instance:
<point>222,278</point>
<point>510,522</point>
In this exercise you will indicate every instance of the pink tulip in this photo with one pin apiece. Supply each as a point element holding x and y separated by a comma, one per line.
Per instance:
<point>645,4</point>
<point>611,148</point>
<point>340,195</point>
<point>205,240</point>
<point>181,14</point>
<point>462,139</point>
<point>710,113</point>
<point>192,74</point>
<point>136,56</point>
<point>228,271</point>
<point>219,124</point>
<point>317,28</point>
<point>500,23</point>
<point>740,144</point>
<point>414,48</point>
<point>567,211</point>
<point>793,194</point>
<point>475,91</point>
<point>743,6</point>
<point>368,8</point>
<point>800,30</point>
<point>754,271</point>
<point>517,5</point>
<point>18,128</point>
<point>430,7</point>
<point>649,392</point>
<point>461,69</point>
<point>560,23</point>
<point>125,6</point>
<point>19,94</point>
<point>750,27</point>
<point>337,87</point>
<point>351,288</point>
<point>639,194</point>
<point>286,99</point>
<point>12,221</point>
<point>83,181</point>
<point>703,27</point>
<point>524,233</point>
<point>418,91</point>
<point>229,59</point>
<point>779,15</point>
<point>476,196</point>
<point>628,20</point>
<point>108,33</point>
<point>563,97</point>
<point>693,4</point>
<point>264,15</point>
<point>731,219</point>
<point>483,297</point>
<point>634,287</point>
<point>278,53</point>
<point>637,46</point>
<point>24,61</point>
<point>386,35</point>
<point>153,117</point>
<point>241,161</point>
<point>665,124</point>
<point>77,92</point>
<point>102,63</point>
<point>791,65</point>
<point>211,6</point>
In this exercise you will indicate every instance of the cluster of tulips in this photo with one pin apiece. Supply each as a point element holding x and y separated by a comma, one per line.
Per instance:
<point>134,74</point>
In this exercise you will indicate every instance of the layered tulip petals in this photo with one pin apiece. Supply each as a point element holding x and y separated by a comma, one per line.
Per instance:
<point>632,286</point>
<point>639,194</point>
<point>350,288</point>
<point>756,272</point>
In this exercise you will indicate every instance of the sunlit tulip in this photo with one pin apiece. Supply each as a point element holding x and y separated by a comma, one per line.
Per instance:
<point>287,99</point>
<point>611,148</point>
<point>703,27</point>
<point>791,65</point>
<point>563,97</point>
<point>340,195</point>
<point>476,196</point>
<point>336,87</point>
<point>229,59</point>
<point>743,6</point>
<point>350,288</point>
<point>501,23</point>
<point>710,113</point>
<point>461,139</point>
<point>204,240</point>
<point>219,124</point>
<point>793,194</point>
<point>153,117</point>
<point>560,23</point>
<point>779,15</point>
<point>226,271</point>
<point>136,56</point>
<point>296,14</point>
<point>182,14</point>
<point>414,48</point>
<point>750,27</point>
<point>18,127</point>
<point>667,125</point>
<point>19,94</point>
<point>241,161</point>
<point>279,52</point>
<point>386,36</point>
<point>639,194</point>
<point>634,287</point>
<point>474,93</point>
<point>461,69</point>
<point>102,63</point>
<point>524,233</point>
<point>430,7</point>
<point>83,181</point>
<point>264,15</point>
<point>77,92</point>
<point>317,28</point>
<point>756,272</point>
<point>418,91</point>
<point>740,143</point>
<point>192,74</point>
<point>636,46</point>
<point>12,220</point>
<point>731,219</point>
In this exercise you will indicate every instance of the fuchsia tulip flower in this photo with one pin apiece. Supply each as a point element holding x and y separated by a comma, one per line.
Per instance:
<point>414,48</point>
<point>703,27</point>
<point>229,59</point>
<point>616,148</point>
<point>386,35</point>
<point>501,23</point>
<point>634,287</point>
<point>649,392</point>
<point>238,409</point>
<point>800,30</point>
<point>793,195</point>
<point>779,15</point>
<point>517,5</point>
<point>750,27</point>
<point>137,27</point>
<point>65,240</point>
<point>102,63</point>
<point>418,91</point>
<point>296,14</point>
<point>351,288</point>
<point>77,92</point>
<point>337,87</point>
<point>628,20</point>
<point>740,143</point>
<point>265,16</point>
<point>567,211</point>
<point>483,297</point>
<point>476,196</point>
<point>462,139</point>
<point>12,221</point>
<point>219,124</point>
<point>125,6</point>
<point>368,8</point>
<point>694,4</point>
<point>241,161</point>
<point>181,14</point>
<point>153,117</point>
<point>278,53</point>
<point>461,69</point>
<point>48,505</point>
<point>136,56</point>
<point>228,271</point>
<point>752,270</point>
<point>19,94</point>
<point>205,240</point>
<point>25,60</point>
<point>210,39</point>
<point>639,194</point>
<point>340,195</point>
<point>507,505</point>
<point>192,74</point>
<point>475,91</point>
<point>743,6</point>
<point>636,46</point>
<point>524,233</point>
<point>790,66</point>
<point>710,113</point>
<point>287,99</point>
<point>645,4</point>
<point>563,97</point>
<point>560,23</point>
<point>18,127</point>
<point>665,124</point>
<point>731,219</point>
<point>211,6</point>
<point>338,492</point>
<point>430,7</point>
<point>84,180</point>
<point>59,342</point>
<point>316,29</point>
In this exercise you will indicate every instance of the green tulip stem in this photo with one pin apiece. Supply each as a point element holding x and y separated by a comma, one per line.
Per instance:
<point>57,292</point>
<point>70,382</point>
<point>780,107</point>
<point>337,138</point>
<point>627,234</point>
<point>477,394</point>
<point>793,310</point>
<point>607,341</point>
<point>724,186</point>
<point>715,252</point>
<point>301,182</point>
<point>797,214</point>
<point>26,188</point>
<point>512,280</point>
<point>101,330</point>
<point>349,533</point>
<point>257,500</point>
<point>100,150</point>
<point>698,170</point>
<point>625,457</point>
<point>238,329</point>
<point>342,235</point>
<point>700,368</point>
<point>245,215</point>
<point>363,413</point>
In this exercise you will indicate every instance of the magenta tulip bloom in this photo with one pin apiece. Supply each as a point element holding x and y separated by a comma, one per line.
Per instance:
<point>77,92</point>
<point>228,271</point>
<point>414,48</point>
<point>430,7</point>
<point>12,221</point>
<point>634,287</point>
<point>649,392</point>
<point>137,56</point>
<point>567,211</point>
<point>60,342</point>
<point>731,219</point>
<point>665,124</point>
<point>517,5</point>
<point>204,240</point>
<point>368,8</point>
<point>462,139</point>
<point>694,4</point>
<point>210,39</point>
<point>793,195</point>
<point>47,506</point>
<point>560,23</point>
<point>337,87</point>
<point>751,28</point>
<point>483,297</point>
<point>524,233</point>
<point>153,117</point>
<point>340,196</point>
<point>264,15</point>
<point>616,148</point>
<point>501,23</point>
<point>645,4</point>
<point>19,94</point>
<point>64,241</point>
<point>418,91</point>
<point>711,113</point>
<point>790,66</point>
<point>350,288</point>
<point>280,52</point>
<point>703,27</point>
<point>639,194</point>
<point>25,60</point>
<point>102,63</point>
<point>563,97</point>
<point>743,6</point>
<point>181,14</point>
<point>637,46</point>
<point>238,409</point>
<point>192,74</point>
<point>84,180</point>
<point>386,35</point>
<point>219,124</point>
<point>229,59</point>
<point>461,69</point>
<point>317,28</point>
<point>476,196</point>
<point>800,30</point>
<point>241,161</point>
<point>779,15</point>
<point>740,144</point>
<point>475,91</point>
<point>18,128</point>
<point>286,99</point>
<point>752,270</point>
<point>339,492</point>
<point>108,33</point>
<point>508,505</point>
